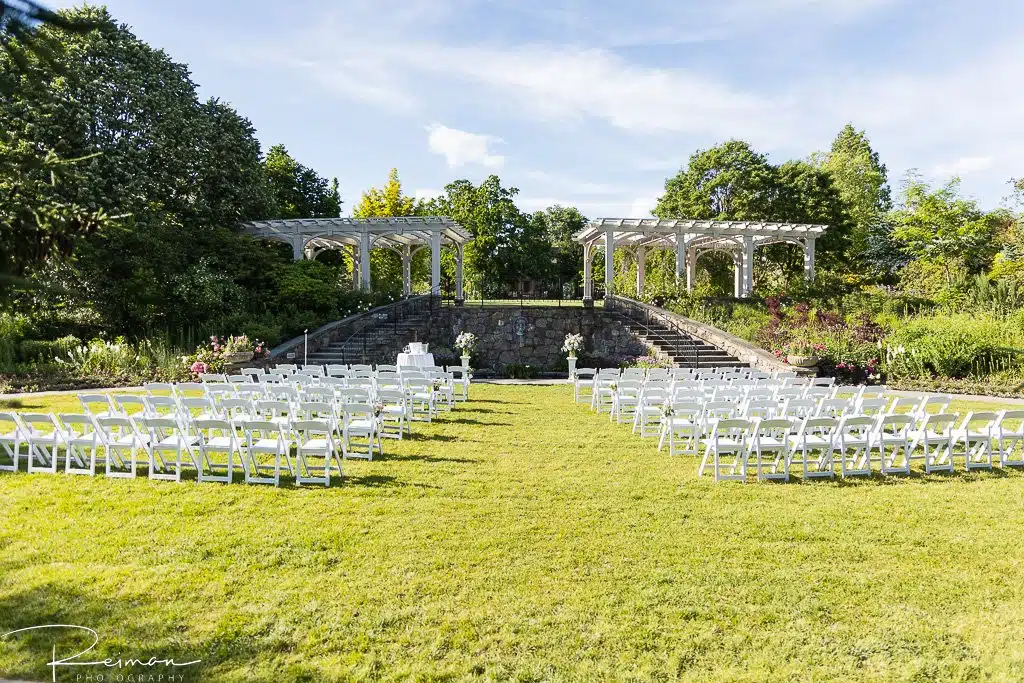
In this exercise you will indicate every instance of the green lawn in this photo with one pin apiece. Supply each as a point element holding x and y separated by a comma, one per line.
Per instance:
<point>522,537</point>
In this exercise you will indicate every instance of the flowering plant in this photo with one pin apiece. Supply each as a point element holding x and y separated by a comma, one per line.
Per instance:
<point>802,347</point>
<point>465,342</point>
<point>212,357</point>
<point>198,368</point>
<point>573,344</point>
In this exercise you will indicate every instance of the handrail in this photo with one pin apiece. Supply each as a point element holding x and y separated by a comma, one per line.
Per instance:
<point>684,346</point>
<point>396,313</point>
<point>731,344</point>
<point>348,327</point>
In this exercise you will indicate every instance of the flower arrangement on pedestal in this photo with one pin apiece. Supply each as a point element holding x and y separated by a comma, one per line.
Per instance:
<point>466,342</point>
<point>803,354</point>
<point>572,346</point>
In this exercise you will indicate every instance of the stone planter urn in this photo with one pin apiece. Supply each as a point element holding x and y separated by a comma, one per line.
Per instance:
<point>572,367</point>
<point>802,361</point>
<point>239,357</point>
<point>465,362</point>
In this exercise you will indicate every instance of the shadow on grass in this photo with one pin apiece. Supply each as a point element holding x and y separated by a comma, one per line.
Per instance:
<point>470,421</point>
<point>429,458</point>
<point>126,629</point>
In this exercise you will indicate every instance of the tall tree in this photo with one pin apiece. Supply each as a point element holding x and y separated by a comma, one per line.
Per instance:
<point>559,224</point>
<point>942,228</point>
<point>298,191</point>
<point>388,202</point>
<point>727,182</point>
<point>862,181</point>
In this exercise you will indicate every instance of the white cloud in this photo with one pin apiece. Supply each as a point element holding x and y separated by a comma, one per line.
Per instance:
<point>642,207</point>
<point>963,166</point>
<point>460,148</point>
<point>426,193</point>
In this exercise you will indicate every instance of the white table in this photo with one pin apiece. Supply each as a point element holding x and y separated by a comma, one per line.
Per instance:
<point>415,360</point>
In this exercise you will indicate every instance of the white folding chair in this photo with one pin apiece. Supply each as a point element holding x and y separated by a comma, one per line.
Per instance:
<point>856,441</point>
<point>169,446</point>
<point>121,442</point>
<point>771,438</point>
<point>625,400</point>
<point>682,424</point>
<point>1010,438</point>
<point>726,449</point>
<point>97,405</point>
<point>892,439</point>
<point>45,439</point>
<point>265,439</point>
<point>217,437</point>
<point>394,413</point>
<point>12,437</point>
<point>420,395</point>
<point>82,442</point>
<point>976,434</point>
<point>130,404</point>
<point>461,385</point>
<point>648,415</point>
<point>314,440</point>
<point>814,444</point>
<point>159,389</point>
<point>834,407</point>
<point>936,441</point>
<point>360,432</point>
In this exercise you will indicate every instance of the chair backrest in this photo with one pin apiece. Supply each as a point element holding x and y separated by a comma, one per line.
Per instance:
<point>272,409</point>
<point>283,393</point>
<point>263,429</point>
<point>720,409</point>
<point>315,410</point>
<point>834,407</point>
<point>734,395</point>
<point>934,405</point>
<point>731,426</point>
<point>321,394</point>
<point>162,406</point>
<point>310,429</point>
<point>239,379</point>
<point>76,423</point>
<point>219,390</point>
<point>387,368</point>
<point>113,425</point>
<point>286,368</point>
<point>159,427</point>
<point>207,377</point>
<point>362,394</point>
<point>1007,416</point>
<point>823,381</point>
<point>95,404</point>
<point>358,411</point>
<point>633,373</point>
<point>158,389</point>
<point>193,405</point>
<point>761,409</point>
<point>777,428</point>
<point>819,426</point>
<point>872,406</point>
<point>847,391</point>
<point>317,370</point>
<point>184,389</point>
<point>896,425</point>
<point>904,404</point>
<point>252,372</point>
<point>796,408</point>
<point>653,396</point>
<point>391,396</point>
<point>856,424</point>
<point>235,408</point>
<point>337,370</point>
<point>126,402</point>
<point>874,391</point>
<point>210,428</point>
<point>786,393</point>
<point>40,423</point>
<point>818,393</point>
<point>583,374</point>
<point>939,423</point>
<point>760,394</point>
<point>629,387</point>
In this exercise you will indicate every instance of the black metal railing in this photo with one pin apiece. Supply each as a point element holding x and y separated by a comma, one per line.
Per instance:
<point>669,335</point>
<point>556,294</point>
<point>355,336</point>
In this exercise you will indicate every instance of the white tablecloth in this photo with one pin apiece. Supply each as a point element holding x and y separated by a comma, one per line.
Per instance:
<point>415,360</point>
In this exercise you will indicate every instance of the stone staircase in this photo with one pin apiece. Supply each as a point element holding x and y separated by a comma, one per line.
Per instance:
<point>683,350</point>
<point>374,344</point>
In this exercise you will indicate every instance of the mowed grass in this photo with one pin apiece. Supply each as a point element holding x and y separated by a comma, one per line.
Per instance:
<point>522,537</point>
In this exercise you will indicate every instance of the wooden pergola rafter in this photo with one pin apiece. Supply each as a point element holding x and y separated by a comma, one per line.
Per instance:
<point>689,238</point>
<point>405,235</point>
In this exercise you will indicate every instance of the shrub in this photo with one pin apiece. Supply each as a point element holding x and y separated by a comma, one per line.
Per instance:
<point>41,351</point>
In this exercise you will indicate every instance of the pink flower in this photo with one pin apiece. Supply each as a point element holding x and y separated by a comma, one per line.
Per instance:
<point>216,347</point>
<point>198,367</point>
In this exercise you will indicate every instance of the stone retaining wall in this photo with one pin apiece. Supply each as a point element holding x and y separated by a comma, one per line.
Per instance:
<point>529,335</point>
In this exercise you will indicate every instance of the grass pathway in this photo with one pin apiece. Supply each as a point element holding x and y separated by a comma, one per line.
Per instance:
<point>522,537</point>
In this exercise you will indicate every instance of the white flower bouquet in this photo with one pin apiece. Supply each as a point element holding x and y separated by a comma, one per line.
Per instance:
<point>573,344</point>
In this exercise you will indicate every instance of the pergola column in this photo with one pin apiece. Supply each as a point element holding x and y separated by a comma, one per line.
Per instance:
<point>809,259</point>
<point>748,265</point>
<point>364,261</point>
<point>691,269</point>
<point>588,273</point>
<point>298,247</point>
<point>641,268</point>
<point>609,263</point>
<point>737,264</point>
<point>406,270</point>
<point>355,266</point>
<point>681,245</point>
<point>435,262</point>
<point>459,295</point>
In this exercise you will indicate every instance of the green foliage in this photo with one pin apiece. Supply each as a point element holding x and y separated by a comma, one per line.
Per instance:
<point>120,360</point>
<point>728,182</point>
<point>298,191</point>
<point>954,346</point>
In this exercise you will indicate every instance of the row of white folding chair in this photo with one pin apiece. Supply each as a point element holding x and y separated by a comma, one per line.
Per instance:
<point>893,440</point>
<point>194,442</point>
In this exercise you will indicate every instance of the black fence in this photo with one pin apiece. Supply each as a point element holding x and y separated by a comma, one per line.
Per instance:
<point>556,294</point>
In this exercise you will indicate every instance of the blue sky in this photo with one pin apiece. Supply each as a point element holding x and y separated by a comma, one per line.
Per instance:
<point>595,103</point>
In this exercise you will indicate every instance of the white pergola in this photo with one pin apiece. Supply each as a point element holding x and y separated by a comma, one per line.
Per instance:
<point>405,236</point>
<point>689,239</point>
